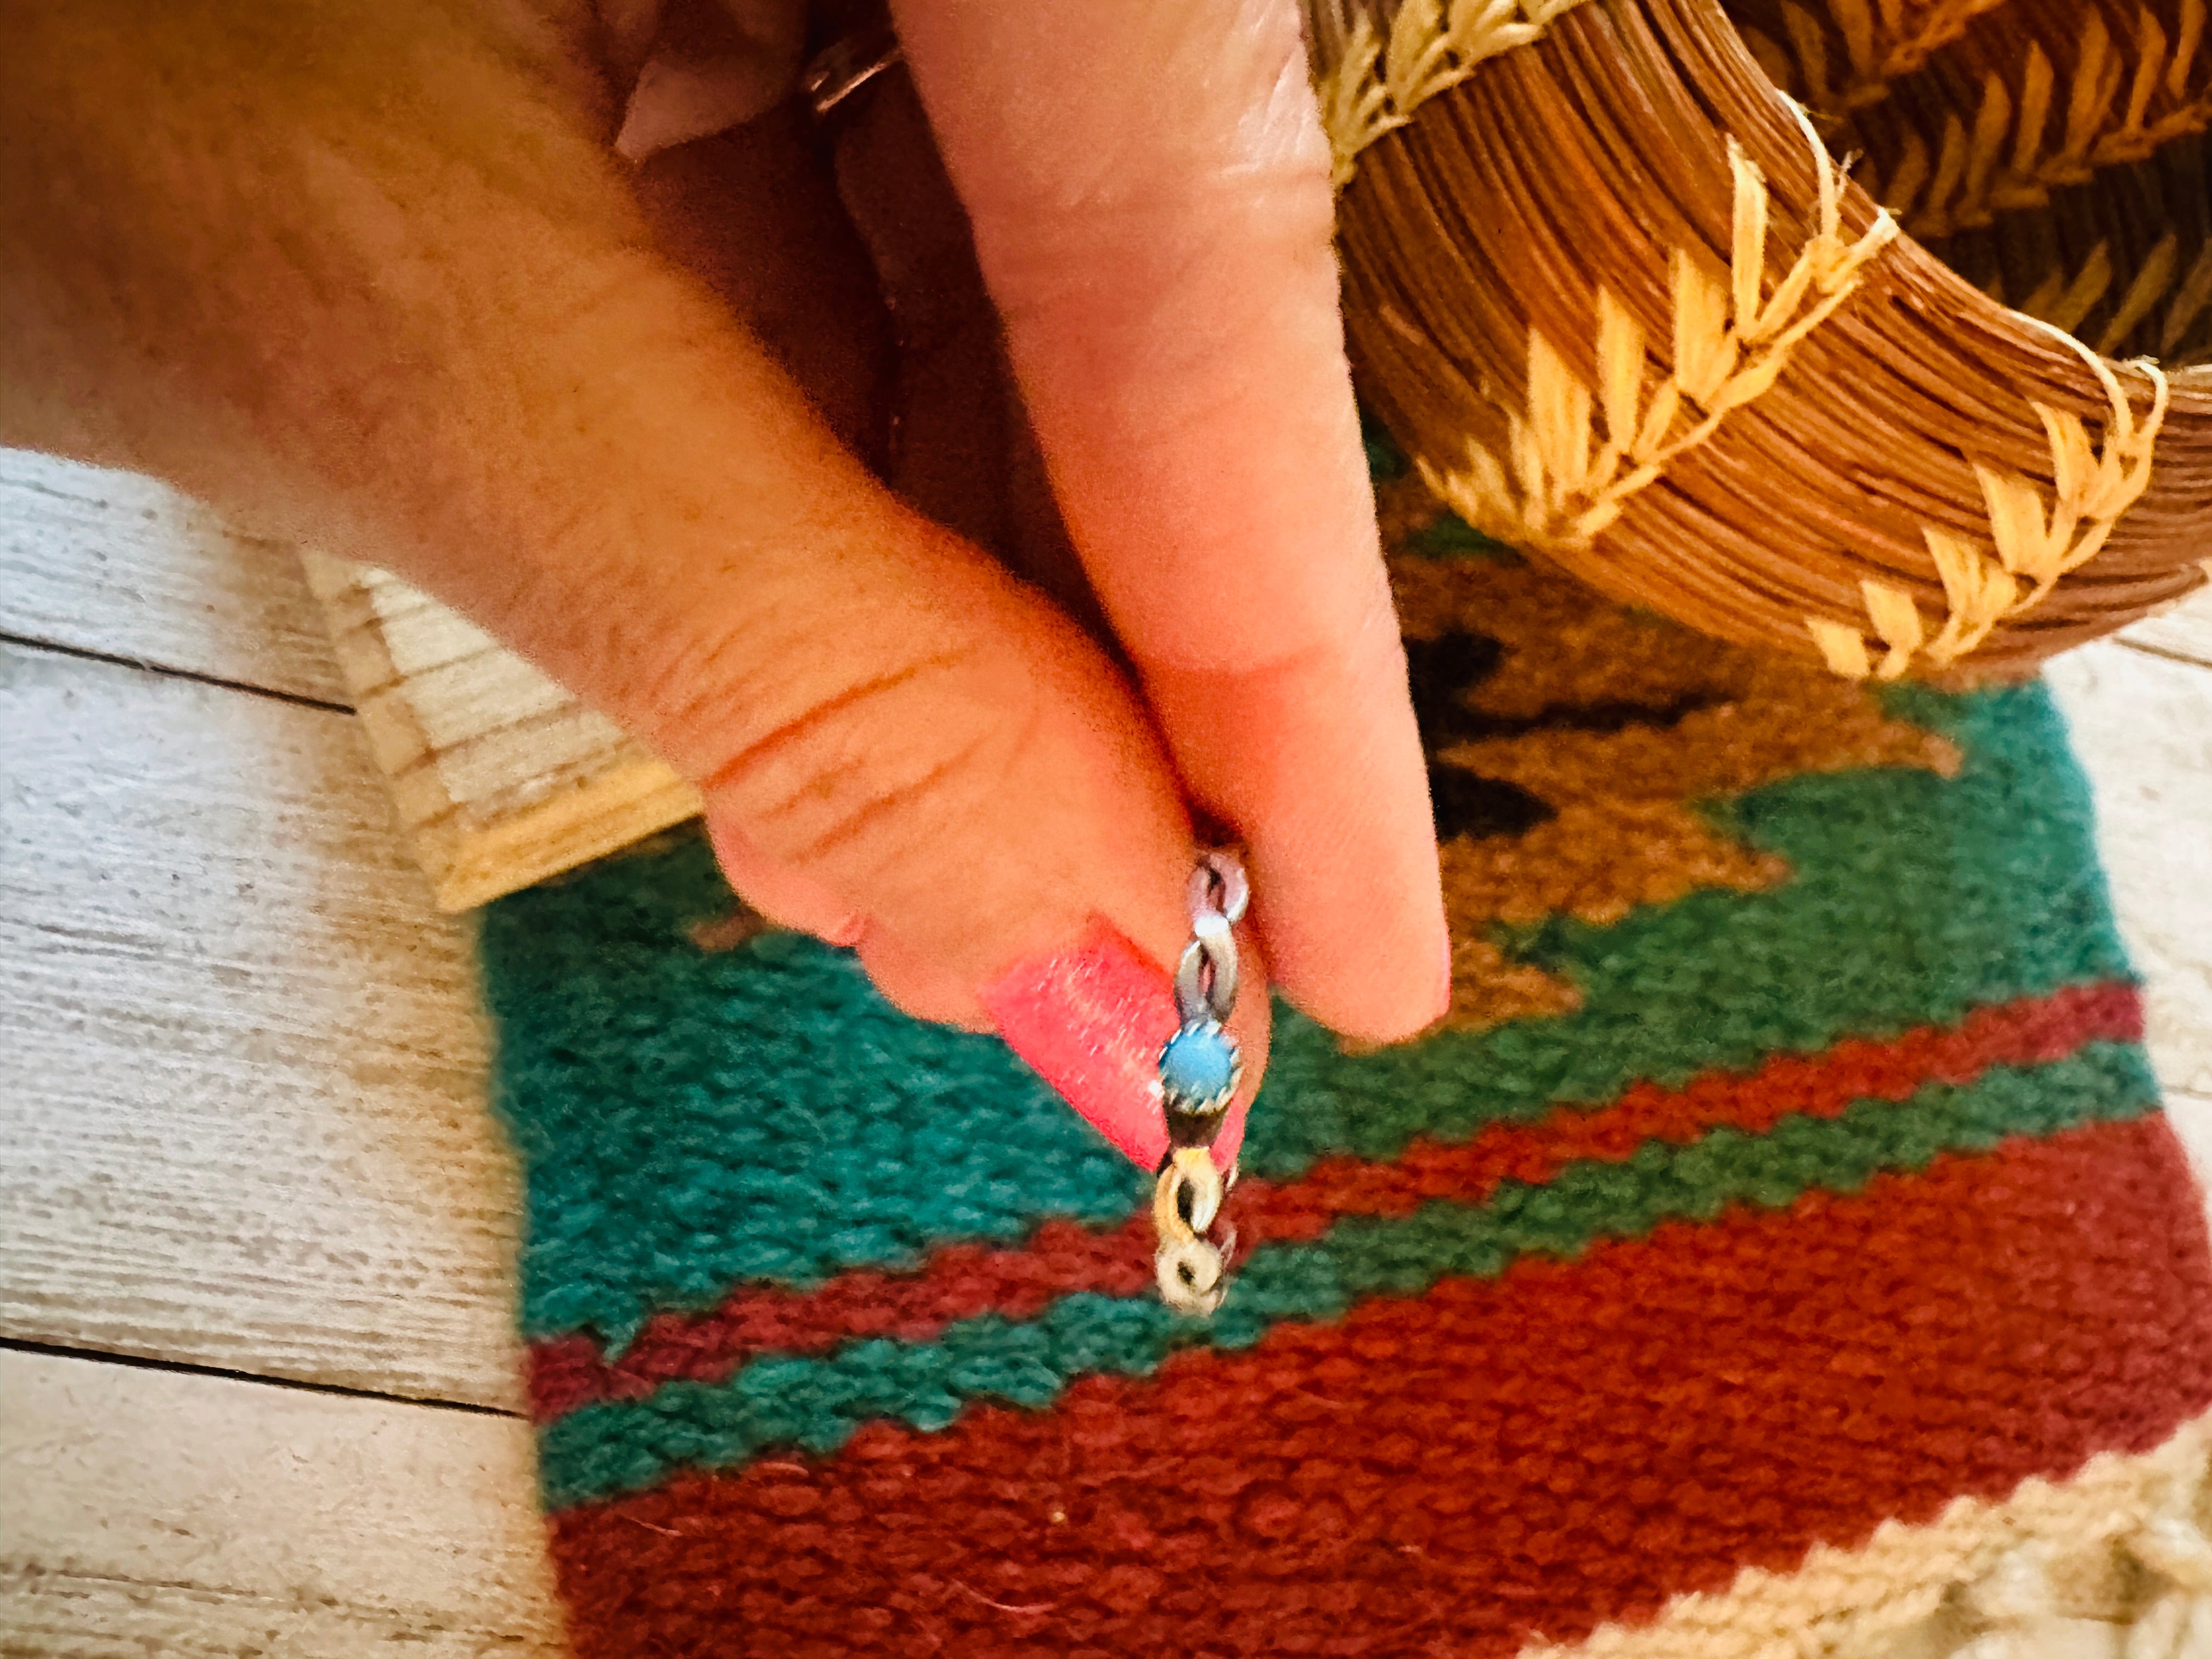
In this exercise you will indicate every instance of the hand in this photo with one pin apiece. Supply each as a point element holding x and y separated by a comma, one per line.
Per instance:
<point>370,273</point>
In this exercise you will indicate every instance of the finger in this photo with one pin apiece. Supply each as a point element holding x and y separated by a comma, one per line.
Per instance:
<point>752,213</point>
<point>1149,188</point>
<point>492,383</point>
<point>966,455</point>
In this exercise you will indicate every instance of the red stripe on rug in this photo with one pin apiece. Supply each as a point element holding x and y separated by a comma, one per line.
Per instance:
<point>1570,1444</point>
<point>960,1281</point>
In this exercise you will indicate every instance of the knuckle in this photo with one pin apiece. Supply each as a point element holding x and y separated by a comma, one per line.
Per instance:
<point>890,769</point>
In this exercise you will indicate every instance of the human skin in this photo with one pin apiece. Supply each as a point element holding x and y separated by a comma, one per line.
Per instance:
<point>368,274</point>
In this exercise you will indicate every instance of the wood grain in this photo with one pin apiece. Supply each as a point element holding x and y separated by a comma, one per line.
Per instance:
<point>2184,632</point>
<point>2142,727</point>
<point>242,1073</point>
<point>153,1513</point>
<point>501,777</point>
<point>109,562</point>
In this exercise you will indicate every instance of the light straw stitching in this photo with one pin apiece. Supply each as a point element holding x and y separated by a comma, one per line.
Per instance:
<point>2092,486</point>
<point>1559,485</point>
<point>1376,83</point>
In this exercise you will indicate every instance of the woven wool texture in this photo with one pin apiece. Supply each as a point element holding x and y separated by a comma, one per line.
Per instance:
<point>1788,1166</point>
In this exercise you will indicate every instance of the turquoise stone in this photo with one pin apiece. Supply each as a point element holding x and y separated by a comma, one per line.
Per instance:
<point>1198,1065</point>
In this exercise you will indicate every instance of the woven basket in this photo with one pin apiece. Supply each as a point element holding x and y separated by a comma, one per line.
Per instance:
<point>1607,283</point>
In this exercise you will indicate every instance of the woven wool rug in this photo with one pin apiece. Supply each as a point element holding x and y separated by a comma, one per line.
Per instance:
<point>1778,1250</point>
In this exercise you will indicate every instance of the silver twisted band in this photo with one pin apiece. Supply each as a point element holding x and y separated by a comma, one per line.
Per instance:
<point>1198,1071</point>
<point>1205,978</point>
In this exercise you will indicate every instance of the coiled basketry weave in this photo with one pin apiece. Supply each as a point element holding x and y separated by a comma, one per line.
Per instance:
<point>1938,410</point>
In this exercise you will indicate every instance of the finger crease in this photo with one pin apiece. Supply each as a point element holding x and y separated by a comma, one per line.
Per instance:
<point>796,729</point>
<point>890,803</point>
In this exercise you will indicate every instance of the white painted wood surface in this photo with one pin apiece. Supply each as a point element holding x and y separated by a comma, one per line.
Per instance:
<point>105,561</point>
<point>242,1117</point>
<point>153,1513</point>
<point>2143,727</point>
<point>241,1121</point>
<point>502,778</point>
<point>2184,632</point>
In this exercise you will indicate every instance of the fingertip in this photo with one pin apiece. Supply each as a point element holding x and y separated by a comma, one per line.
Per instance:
<point>1362,943</point>
<point>916,985</point>
<point>1318,761</point>
<point>1389,986</point>
<point>1356,927</point>
<point>789,898</point>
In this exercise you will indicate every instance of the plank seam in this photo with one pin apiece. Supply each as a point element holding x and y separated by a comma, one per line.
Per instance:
<point>186,1368</point>
<point>115,659</point>
<point>2165,653</point>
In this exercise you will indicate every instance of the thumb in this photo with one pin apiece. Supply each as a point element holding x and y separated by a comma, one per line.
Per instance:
<point>1149,185</point>
<point>357,317</point>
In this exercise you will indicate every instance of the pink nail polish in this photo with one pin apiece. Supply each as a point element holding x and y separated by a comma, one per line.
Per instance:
<point>1092,1020</point>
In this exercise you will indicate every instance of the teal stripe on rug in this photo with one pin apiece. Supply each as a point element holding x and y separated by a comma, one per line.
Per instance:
<point>814,1404</point>
<point>689,1120</point>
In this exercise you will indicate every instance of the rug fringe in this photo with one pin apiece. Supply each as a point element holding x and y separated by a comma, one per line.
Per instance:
<point>2114,1561</point>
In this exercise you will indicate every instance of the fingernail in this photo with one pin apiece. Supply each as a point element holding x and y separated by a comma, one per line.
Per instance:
<point>1091,1021</point>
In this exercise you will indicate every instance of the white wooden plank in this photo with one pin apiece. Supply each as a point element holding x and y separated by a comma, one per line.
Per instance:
<point>501,777</point>
<point>242,1117</point>
<point>2142,725</point>
<point>149,1512</point>
<point>2191,1117</point>
<point>109,563</point>
<point>2185,631</point>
